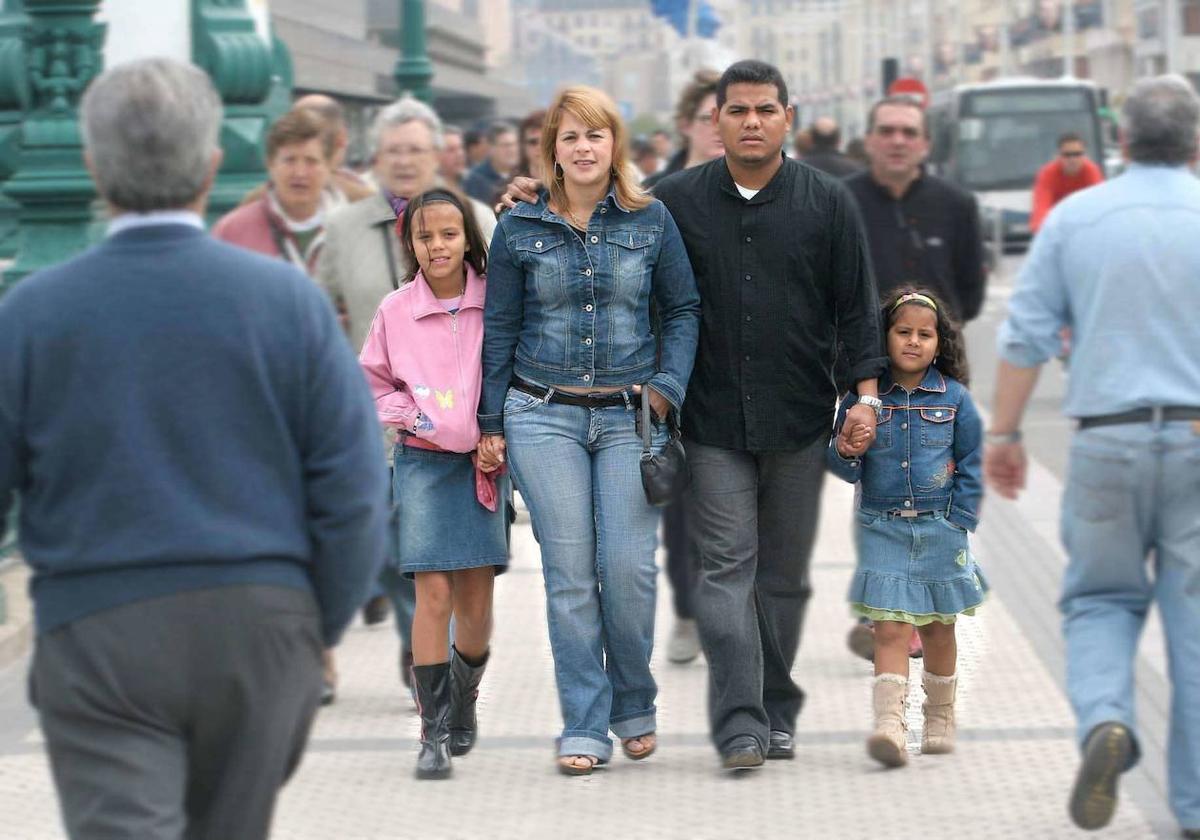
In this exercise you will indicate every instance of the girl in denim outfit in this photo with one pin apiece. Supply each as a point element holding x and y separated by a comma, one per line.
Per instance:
<point>422,359</point>
<point>919,489</point>
<point>568,349</point>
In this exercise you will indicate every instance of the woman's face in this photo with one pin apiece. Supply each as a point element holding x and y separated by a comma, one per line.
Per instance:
<point>584,153</point>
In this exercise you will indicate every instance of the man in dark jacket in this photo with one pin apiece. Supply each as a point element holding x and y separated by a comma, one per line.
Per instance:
<point>826,138</point>
<point>202,498</point>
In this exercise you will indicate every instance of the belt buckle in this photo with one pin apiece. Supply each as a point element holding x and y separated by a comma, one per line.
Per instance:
<point>908,514</point>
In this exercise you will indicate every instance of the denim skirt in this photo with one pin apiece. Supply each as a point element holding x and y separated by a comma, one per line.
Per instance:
<point>440,525</point>
<point>916,570</point>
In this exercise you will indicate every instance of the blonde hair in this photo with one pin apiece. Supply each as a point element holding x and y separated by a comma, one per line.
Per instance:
<point>594,109</point>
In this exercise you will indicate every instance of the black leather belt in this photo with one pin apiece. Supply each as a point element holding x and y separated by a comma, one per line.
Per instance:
<point>619,398</point>
<point>1162,414</point>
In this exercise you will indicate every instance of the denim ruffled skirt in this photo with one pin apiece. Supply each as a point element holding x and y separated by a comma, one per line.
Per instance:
<point>916,570</point>
<point>440,524</point>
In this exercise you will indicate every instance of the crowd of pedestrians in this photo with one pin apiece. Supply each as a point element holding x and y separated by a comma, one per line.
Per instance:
<point>545,305</point>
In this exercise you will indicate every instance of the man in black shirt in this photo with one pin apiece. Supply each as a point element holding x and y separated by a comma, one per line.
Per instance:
<point>784,275</point>
<point>825,137</point>
<point>923,231</point>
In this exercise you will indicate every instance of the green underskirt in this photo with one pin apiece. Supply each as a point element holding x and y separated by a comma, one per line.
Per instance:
<point>904,617</point>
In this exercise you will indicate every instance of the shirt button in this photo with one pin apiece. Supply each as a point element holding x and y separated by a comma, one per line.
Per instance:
<point>587,272</point>
<point>587,308</point>
<point>904,464</point>
<point>595,239</point>
<point>747,238</point>
<point>603,210</point>
<point>747,358</point>
<point>747,277</point>
<point>903,425</point>
<point>937,414</point>
<point>587,376</point>
<point>587,341</point>
<point>537,244</point>
<point>907,502</point>
<point>747,398</point>
<point>747,317</point>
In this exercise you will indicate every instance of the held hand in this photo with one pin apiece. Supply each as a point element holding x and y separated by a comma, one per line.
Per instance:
<point>862,415</point>
<point>853,440</point>
<point>519,189</point>
<point>1004,467</point>
<point>491,452</point>
<point>659,406</point>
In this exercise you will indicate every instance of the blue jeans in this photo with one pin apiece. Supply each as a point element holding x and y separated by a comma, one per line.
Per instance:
<point>1133,491</point>
<point>578,471</point>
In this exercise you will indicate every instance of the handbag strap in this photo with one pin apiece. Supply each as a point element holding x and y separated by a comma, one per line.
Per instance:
<point>646,426</point>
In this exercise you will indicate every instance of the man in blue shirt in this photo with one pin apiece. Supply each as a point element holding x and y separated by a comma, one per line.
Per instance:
<point>202,499</point>
<point>1120,265</point>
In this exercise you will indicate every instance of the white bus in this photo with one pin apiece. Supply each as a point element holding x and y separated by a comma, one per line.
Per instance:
<point>991,138</point>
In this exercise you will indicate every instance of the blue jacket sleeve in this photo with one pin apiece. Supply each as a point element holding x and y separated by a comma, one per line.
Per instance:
<point>847,469</point>
<point>346,480</point>
<point>674,287</point>
<point>967,490</point>
<point>12,467</point>
<point>503,312</point>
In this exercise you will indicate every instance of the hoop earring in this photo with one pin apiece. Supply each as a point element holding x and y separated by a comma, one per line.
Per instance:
<point>558,171</point>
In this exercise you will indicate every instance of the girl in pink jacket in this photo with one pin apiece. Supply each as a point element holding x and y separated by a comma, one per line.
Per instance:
<point>422,360</point>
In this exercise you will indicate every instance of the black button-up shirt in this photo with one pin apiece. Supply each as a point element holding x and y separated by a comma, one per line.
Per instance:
<point>929,237</point>
<point>783,277</point>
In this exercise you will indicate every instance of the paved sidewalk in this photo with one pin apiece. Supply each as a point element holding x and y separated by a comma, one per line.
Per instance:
<point>1009,779</point>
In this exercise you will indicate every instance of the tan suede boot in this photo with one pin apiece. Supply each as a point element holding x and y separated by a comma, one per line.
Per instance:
<point>938,735</point>
<point>889,743</point>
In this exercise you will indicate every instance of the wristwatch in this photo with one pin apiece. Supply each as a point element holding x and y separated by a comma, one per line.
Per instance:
<point>1004,438</point>
<point>874,403</point>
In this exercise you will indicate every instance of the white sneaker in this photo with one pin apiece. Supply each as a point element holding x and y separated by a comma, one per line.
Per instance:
<point>684,644</point>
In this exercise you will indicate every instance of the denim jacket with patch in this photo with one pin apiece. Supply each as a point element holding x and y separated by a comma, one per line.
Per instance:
<point>566,308</point>
<point>927,454</point>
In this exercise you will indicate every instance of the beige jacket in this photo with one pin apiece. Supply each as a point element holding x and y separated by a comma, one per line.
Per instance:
<point>354,267</point>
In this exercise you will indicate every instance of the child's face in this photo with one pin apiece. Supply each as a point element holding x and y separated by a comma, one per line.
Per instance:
<point>439,241</point>
<point>912,339</point>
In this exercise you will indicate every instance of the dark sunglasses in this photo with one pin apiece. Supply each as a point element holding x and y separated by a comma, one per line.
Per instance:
<point>1071,154</point>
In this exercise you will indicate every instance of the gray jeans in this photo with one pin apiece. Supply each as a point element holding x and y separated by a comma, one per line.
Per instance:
<point>179,718</point>
<point>754,518</point>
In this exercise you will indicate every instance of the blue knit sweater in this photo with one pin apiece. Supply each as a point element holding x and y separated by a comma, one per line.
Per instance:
<point>180,414</point>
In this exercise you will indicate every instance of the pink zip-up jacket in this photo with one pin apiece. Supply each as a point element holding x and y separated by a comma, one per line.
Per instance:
<point>424,364</point>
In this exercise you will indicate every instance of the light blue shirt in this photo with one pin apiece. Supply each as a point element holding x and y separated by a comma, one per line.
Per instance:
<point>129,221</point>
<point>1120,264</point>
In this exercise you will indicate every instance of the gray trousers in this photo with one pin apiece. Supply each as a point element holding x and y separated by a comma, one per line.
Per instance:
<point>179,718</point>
<point>754,518</point>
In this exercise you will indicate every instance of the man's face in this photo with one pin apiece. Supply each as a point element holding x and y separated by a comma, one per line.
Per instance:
<point>406,161</point>
<point>1072,154</point>
<point>504,152</point>
<point>298,173</point>
<point>662,145</point>
<point>753,123</point>
<point>897,144</point>
<point>452,161</point>
<point>704,139</point>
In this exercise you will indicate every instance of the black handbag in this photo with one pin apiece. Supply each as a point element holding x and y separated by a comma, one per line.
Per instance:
<point>665,475</point>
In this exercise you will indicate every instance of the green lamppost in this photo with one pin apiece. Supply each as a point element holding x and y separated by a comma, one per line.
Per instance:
<point>62,50</point>
<point>14,102</point>
<point>414,71</point>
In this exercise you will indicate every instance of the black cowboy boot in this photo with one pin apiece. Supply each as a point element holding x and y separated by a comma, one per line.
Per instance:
<point>464,680</point>
<point>433,703</point>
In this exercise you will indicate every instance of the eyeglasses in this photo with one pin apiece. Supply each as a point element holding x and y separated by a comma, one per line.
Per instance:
<point>406,151</point>
<point>908,131</point>
<point>703,117</point>
<point>1071,154</point>
<point>532,142</point>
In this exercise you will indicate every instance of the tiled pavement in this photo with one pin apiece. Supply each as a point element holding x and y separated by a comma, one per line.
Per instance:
<point>1009,778</point>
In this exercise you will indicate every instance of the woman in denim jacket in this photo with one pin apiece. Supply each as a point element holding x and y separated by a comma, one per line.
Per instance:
<point>919,489</point>
<point>567,350</point>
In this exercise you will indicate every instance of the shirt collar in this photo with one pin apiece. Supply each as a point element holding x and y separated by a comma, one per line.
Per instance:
<point>132,221</point>
<point>541,210</point>
<point>908,192</point>
<point>766,193</point>
<point>425,303</point>
<point>933,381</point>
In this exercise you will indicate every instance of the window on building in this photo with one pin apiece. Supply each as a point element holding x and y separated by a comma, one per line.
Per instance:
<point>1191,17</point>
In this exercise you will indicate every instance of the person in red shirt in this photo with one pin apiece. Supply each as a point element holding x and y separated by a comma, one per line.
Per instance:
<point>1070,172</point>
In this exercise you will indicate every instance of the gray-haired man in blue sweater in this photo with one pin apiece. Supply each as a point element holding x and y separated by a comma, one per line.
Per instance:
<point>202,498</point>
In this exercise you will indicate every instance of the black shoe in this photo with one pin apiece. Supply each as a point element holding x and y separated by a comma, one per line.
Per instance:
<point>781,745</point>
<point>1106,755</point>
<point>433,704</point>
<point>741,753</point>
<point>375,611</point>
<point>328,693</point>
<point>464,681</point>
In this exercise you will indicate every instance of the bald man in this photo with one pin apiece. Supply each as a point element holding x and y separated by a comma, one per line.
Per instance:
<point>345,180</point>
<point>825,137</point>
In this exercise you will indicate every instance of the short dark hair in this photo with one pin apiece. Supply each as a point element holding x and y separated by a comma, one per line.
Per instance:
<point>751,72</point>
<point>497,129</point>
<point>477,249</point>
<point>825,141</point>
<point>903,102</point>
<point>1069,137</point>
<point>472,137</point>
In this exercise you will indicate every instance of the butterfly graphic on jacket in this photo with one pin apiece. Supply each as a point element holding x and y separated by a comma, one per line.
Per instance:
<point>445,399</point>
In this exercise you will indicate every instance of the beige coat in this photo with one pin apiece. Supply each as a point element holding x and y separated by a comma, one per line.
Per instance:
<point>354,264</point>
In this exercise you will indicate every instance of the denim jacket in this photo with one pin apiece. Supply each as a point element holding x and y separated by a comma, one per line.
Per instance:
<point>569,309</point>
<point>927,454</point>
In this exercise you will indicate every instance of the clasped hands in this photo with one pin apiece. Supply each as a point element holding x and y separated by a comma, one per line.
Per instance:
<point>858,430</point>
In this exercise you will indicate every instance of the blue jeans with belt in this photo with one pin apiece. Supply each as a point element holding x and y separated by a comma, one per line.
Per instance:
<point>578,471</point>
<point>1133,492</point>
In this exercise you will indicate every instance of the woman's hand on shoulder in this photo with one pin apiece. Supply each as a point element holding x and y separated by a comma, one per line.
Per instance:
<point>520,188</point>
